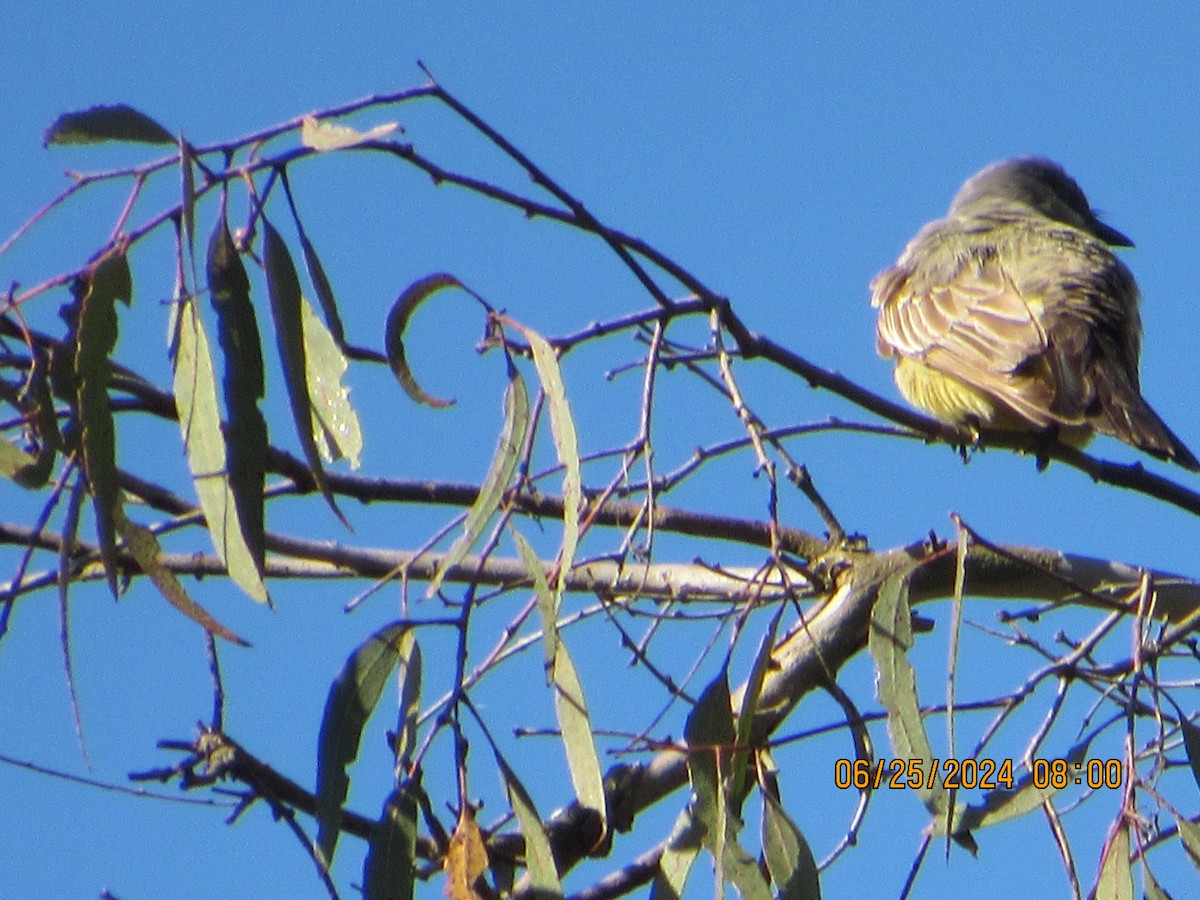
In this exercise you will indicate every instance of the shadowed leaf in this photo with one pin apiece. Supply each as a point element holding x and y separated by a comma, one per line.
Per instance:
<point>352,698</point>
<point>397,321</point>
<point>241,346</point>
<point>95,318</point>
<point>283,288</point>
<point>106,123</point>
<point>389,869</point>
<point>789,858</point>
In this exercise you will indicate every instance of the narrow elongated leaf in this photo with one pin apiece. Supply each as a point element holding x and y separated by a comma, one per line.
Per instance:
<point>188,203</point>
<point>683,846</point>
<point>390,867</point>
<point>539,859</point>
<point>740,783</point>
<point>324,290</point>
<point>95,317</point>
<point>566,445</point>
<point>1115,881</point>
<point>118,122</point>
<point>353,696</point>
<point>323,136</point>
<point>204,442</point>
<point>574,722</point>
<point>238,337</point>
<point>397,321</point>
<point>1189,836</point>
<point>547,600</point>
<point>145,549</point>
<point>409,678</point>
<point>500,472</point>
<point>283,288</point>
<point>1191,746</point>
<point>335,425</point>
<point>789,858</point>
<point>889,640</point>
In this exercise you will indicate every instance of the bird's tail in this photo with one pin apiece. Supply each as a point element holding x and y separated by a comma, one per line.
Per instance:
<point>1131,420</point>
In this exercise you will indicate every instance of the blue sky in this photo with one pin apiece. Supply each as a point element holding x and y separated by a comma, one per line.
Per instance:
<point>782,154</point>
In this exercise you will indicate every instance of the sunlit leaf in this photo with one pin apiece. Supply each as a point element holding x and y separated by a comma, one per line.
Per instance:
<point>889,640</point>
<point>466,858</point>
<point>283,288</point>
<point>547,600</point>
<point>500,472</point>
<point>679,855</point>
<point>204,442</point>
<point>238,337</point>
<point>324,136</point>
<point>353,696</point>
<point>789,858</point>
<point>335,425</point>
<point>397,321</point>
<point>580,744</point>
<point>566,445</point>
<point>95,318</point>
<point>106,123</point>
<point>145,549</point>
<point>1189,836</point>
<point>1115,881</point>
<point>539,859</point>
<point>389,869</point>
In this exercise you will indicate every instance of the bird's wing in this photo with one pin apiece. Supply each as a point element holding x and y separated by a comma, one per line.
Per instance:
<point>971,322</point>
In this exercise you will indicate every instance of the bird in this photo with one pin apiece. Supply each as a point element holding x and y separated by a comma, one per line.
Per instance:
<point>1013,315</point>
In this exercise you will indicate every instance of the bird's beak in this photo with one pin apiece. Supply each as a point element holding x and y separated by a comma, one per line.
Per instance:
<point>1110,235</point>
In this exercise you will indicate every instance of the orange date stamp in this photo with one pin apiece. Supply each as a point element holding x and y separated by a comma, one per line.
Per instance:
<point>968,774</point>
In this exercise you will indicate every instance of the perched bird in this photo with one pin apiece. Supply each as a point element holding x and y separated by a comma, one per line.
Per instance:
<point>1012,314</point>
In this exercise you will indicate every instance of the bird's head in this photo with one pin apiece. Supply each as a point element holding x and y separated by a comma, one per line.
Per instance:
<point>1043,186</point>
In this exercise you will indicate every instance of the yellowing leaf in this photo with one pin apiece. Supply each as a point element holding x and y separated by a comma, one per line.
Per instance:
<point>323,136</point>
<point>466,858</point>
<point>145,549</point>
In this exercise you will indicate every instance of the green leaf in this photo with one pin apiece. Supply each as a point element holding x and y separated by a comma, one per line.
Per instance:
<point>238,337</point>
<point>500,472</point>
<point>95,318</point>
<point>390,867</point>
<point>789,858</point>
<point>13,459</point>
<point>283,288</point>
<point>409,679</point>
<point>740,783</point>
<point>566,445</point>
<point>682,847</point>
<point>324,290</point>
<point>353,696</point>
<point>397,321</point>
<point>204,442</point>
<point>145,549</point>
<point>889,640</point>
<point>106,123</point>
<point>335,425</point>
<point>324,136</point>
<point>1116,875</point>
<point>1191,745</point>
<point>548,601</point>
<point>188,203</point>
<point>570,707</point>
<point>1189,836</point>
<point>539,860</point>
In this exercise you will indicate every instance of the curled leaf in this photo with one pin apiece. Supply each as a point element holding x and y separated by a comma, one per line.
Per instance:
<point>397,321</point>
<point>322,136</point>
